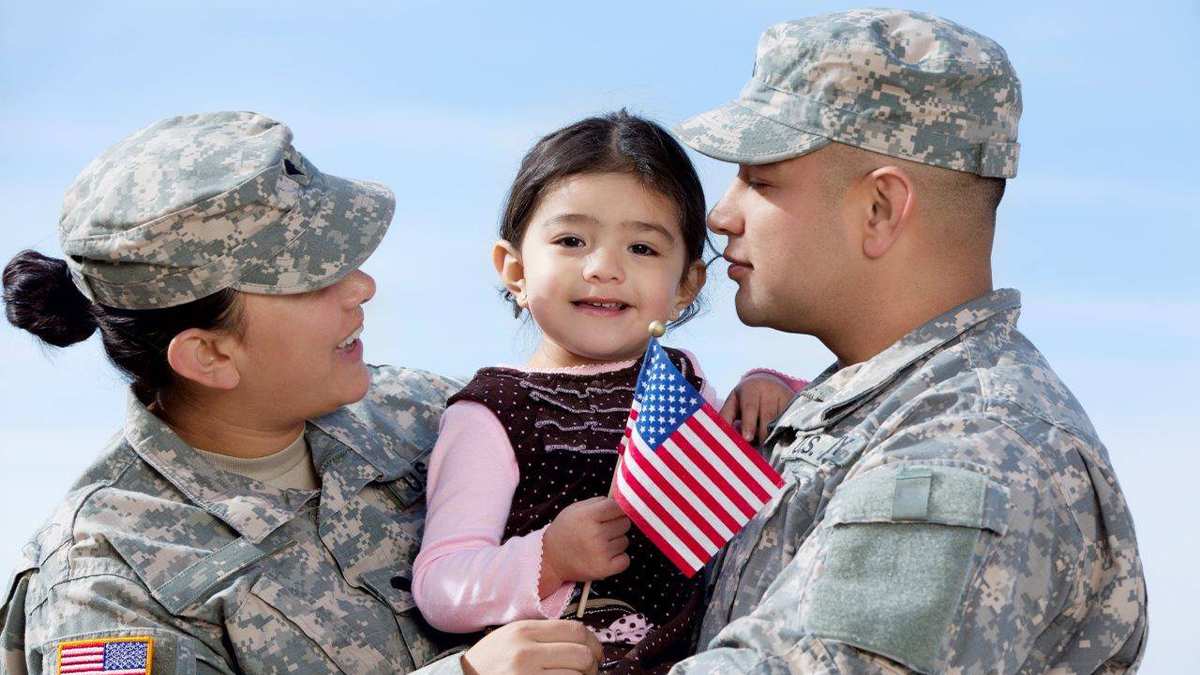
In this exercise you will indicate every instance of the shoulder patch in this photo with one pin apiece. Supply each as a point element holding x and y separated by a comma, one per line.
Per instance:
<point>132,655</point>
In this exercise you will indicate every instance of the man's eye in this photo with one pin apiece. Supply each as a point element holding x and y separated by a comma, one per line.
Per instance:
<point>569,242</point>
<point>642,249</point>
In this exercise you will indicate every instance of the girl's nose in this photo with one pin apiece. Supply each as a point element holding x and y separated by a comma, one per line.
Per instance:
<point>603,267</point>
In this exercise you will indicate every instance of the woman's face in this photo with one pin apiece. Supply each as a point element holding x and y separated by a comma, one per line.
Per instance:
<point>302,353</point>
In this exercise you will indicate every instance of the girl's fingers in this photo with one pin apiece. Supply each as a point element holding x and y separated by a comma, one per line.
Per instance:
<point>606,510</point>
<point>618,545</point>
<point>749,409</point>
<point>614,528</point>
<point>730,407</point>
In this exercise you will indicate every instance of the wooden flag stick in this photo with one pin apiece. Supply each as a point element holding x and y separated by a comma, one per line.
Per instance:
<point>656,329</point>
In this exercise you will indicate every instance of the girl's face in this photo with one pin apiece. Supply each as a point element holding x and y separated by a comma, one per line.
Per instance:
<point>601,258</point>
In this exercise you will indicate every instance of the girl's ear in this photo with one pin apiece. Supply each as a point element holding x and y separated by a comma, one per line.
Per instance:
<point>507,261</point>
<point>204,357</point>
<point>689,288</point>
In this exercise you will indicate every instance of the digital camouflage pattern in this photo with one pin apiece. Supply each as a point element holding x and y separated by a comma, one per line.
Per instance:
<point>195,204</point>
<point>231,575</point>
<point>900,83</point>
<point>949,510</point>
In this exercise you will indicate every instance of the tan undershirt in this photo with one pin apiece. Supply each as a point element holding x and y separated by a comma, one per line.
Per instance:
<point>290,468</point>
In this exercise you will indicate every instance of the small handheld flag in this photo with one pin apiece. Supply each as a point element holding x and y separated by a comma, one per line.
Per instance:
<point>685,477</point>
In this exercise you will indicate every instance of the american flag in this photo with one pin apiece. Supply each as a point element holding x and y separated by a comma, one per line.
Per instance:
<point>111,656</point>
<point>686,478</point>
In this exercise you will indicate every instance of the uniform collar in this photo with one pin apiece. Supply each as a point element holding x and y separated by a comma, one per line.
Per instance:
<point>251,508</point>
<point>838,389</point>
<point>387,448</point>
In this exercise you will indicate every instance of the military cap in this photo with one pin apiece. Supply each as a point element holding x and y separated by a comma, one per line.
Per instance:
<point>198,203</point>
<point>900,83</point>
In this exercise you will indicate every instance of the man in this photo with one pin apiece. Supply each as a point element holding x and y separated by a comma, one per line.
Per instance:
<point>950,508</point>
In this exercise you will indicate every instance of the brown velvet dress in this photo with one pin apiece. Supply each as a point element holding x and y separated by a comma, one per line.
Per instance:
<point>565,429</point>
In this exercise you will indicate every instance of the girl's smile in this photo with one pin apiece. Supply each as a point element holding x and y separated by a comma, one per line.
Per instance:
<point>603,256</point>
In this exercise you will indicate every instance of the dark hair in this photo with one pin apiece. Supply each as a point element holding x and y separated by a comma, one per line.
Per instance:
<point>40,297</point>
<point>614,143</point>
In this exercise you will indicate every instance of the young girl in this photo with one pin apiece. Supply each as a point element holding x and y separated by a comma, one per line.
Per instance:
<point>603,233</point>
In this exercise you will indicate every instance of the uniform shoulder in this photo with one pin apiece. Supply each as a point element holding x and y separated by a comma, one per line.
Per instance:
<point>55,531</point>
<point>1012,375</point>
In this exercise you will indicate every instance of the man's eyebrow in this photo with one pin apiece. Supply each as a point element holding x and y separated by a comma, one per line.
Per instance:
<point>642,225</point>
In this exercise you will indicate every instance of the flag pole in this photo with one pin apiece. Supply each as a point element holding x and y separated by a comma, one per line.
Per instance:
<point>656,329</point>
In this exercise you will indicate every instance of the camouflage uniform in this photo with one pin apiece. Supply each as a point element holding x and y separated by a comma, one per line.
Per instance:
<point>949,508</point>
<point>227,574</point>
<point>154,547</point>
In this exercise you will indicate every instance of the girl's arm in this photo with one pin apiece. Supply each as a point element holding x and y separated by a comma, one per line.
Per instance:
<point>464,579</point>
<point>759,397</point>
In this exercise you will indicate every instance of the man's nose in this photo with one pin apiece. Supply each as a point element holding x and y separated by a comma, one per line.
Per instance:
<point>725,218</point>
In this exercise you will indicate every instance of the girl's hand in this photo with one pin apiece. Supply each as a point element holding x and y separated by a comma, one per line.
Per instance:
<point>756,402</point>
<point>586,541</point>
<point>534,647</point>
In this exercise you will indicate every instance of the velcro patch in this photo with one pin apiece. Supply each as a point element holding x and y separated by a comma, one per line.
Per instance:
<point>132,655</point>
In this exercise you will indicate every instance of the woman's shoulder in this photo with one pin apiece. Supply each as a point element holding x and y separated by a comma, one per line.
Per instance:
<point>120,518</point>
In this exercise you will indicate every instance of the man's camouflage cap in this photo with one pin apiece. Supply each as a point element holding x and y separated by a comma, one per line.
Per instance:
<point>195,204</point>
<point>900,83</point>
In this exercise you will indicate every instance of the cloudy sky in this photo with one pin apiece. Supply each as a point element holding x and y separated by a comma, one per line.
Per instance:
<point>439,100</point>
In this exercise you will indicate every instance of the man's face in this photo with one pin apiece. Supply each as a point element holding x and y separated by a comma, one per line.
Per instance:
<point>788,249</point>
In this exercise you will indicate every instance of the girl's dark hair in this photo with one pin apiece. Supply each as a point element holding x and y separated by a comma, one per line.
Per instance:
<point>40,297</point>
<point>614,143</point>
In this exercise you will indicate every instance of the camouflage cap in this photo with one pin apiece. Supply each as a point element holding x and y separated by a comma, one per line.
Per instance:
<point>195,204</point>
<point>905,84</point>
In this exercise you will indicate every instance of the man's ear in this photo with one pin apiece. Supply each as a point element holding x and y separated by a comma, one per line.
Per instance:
<point>888,199</point>
<point>689,288</point>
<point>507,261</point>
<point>204,357</point>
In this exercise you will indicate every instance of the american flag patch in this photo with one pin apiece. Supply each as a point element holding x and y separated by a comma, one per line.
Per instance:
<point>113,656</point>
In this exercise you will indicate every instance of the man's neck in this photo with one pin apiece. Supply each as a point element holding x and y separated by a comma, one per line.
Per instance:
<point>222,425</point>
<point>881,322</point>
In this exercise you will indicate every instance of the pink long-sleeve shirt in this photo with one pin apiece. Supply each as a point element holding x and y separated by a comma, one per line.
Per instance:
<point>464,578</point>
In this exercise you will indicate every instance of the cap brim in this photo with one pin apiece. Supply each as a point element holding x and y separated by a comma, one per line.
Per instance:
<point>342,231</point>
<point>735,133</point>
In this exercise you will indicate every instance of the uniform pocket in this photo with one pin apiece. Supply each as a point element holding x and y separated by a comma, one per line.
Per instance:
<point>902,543</point>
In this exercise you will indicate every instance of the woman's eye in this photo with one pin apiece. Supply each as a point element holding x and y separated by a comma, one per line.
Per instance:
<point>642,249</point>
<point>569,242</point>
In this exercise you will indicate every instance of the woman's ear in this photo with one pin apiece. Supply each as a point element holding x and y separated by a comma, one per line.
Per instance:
<point>889,193</point>
<point>204,357</point>
<point>507,261</point>
<point>689,288</point>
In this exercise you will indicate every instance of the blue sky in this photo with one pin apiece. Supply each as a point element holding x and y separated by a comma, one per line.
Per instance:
<point>439,100</point>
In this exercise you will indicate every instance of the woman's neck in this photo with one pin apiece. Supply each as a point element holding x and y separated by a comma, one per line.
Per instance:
<point>224,426</point>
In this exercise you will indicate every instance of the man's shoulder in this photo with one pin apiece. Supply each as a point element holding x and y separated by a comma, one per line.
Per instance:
<point>1002,374</point>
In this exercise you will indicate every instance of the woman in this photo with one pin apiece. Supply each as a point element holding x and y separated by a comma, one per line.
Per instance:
<point>262,507</point>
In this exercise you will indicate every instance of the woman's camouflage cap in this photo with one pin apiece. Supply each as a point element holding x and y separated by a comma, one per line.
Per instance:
<point>195,204</point>
<point>900,83</point>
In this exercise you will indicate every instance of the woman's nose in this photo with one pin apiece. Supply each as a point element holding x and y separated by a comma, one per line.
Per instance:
<point>358,287</point>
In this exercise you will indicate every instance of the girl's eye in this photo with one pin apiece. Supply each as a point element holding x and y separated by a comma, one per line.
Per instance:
<point>642,249</point>
<point>569,242</point>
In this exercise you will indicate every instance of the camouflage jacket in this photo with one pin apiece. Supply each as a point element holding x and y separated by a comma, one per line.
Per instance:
<point>949,510</point>
<point>209,571</point>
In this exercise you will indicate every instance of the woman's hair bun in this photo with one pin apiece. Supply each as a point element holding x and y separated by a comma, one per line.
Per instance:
<point>40,297</point>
